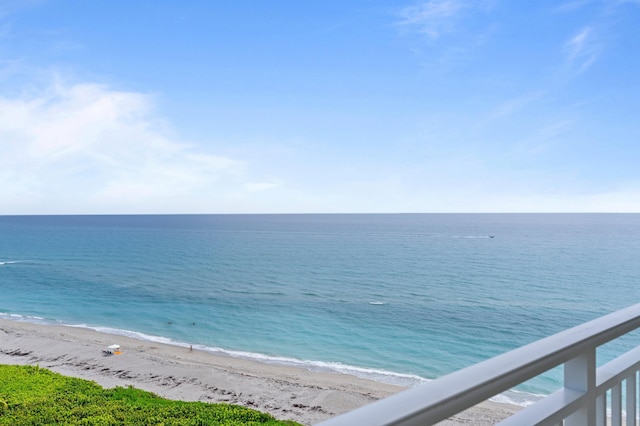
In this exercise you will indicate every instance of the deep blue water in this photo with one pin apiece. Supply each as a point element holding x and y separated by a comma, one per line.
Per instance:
<point>398,298</point>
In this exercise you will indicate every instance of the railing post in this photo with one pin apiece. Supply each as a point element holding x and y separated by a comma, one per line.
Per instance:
<point>601,409</point>
<point>580,375</point>
<point>631,399</point>
<point>616,404</point>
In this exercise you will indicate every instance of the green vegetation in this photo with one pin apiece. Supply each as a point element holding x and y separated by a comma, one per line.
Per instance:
<point>35,396</point>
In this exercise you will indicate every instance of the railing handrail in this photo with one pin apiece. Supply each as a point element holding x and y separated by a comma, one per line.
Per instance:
<point>442,398</point>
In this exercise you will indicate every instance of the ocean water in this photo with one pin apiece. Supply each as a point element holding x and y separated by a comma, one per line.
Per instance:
<point>400,298</point>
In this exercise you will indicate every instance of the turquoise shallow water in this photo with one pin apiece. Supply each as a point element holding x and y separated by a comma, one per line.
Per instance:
<point>397,298</point>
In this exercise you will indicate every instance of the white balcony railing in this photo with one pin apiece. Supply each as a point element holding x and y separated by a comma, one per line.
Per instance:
<point>588,397</point>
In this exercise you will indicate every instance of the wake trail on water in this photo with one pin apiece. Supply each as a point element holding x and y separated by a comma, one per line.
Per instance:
<point>474,237</point>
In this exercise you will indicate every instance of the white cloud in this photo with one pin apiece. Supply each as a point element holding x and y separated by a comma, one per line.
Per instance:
<point>433,17</point>
<point>515,105</point>
<point>619,200</point>
<point>582,50</point>
<point>576,45</point>
<point>86,148</point>
<point>261,186</point>
<point>573,5</point>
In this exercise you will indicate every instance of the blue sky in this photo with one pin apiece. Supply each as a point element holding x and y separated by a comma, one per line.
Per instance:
<point>112,106</point>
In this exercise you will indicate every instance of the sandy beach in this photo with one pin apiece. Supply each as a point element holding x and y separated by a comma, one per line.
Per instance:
<point>180,373</point>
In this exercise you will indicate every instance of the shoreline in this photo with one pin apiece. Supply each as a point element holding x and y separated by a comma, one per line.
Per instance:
<point>176,372</point>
